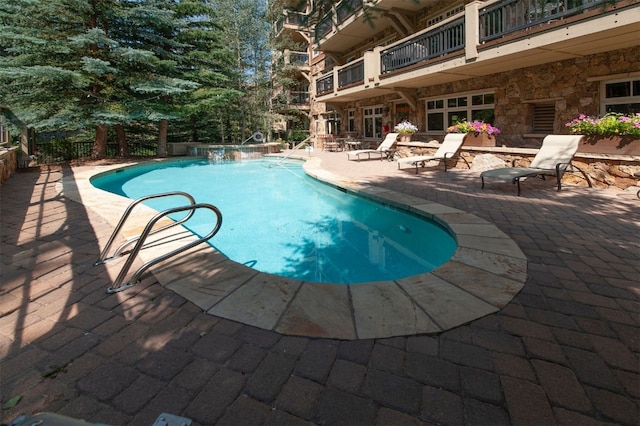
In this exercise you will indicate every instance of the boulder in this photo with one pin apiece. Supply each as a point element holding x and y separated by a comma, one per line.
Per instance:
<point>484,162</point>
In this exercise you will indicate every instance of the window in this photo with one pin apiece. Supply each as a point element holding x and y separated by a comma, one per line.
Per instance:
<point>333,124</point>
<point>445,112</point>
<point>402,112</point>
<point>449,13</point>
<point>621,96</point>
<point>351,120</point>
<point>373,122</point>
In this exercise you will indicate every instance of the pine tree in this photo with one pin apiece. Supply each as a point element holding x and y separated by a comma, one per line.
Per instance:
<point>246,30</point>
<point>74,64</point>
<point>208,60</point>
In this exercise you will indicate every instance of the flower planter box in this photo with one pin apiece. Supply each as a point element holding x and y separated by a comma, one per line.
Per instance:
<point>404,138</point>
<point>480,139</point>
<point>622,145</point>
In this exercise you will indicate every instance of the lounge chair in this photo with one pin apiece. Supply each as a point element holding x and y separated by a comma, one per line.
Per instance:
<point>382,150</point>
<point>448,149</point>
<point>552,159</point>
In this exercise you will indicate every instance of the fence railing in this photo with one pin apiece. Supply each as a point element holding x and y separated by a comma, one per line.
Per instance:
<point>56,152</point>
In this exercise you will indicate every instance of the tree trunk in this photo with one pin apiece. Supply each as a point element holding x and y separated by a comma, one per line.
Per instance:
<point>162,138</point>
<point>100,145</point>
<point>123,148</point>
<point>195,137</point>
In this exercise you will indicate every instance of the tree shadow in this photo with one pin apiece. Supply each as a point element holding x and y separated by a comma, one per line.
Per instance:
<point>66,345</point>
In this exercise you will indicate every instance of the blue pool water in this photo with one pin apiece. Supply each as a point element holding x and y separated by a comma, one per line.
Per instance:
<point>278,220</point>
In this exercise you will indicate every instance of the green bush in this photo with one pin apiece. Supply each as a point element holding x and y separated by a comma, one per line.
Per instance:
<point>298,135</point>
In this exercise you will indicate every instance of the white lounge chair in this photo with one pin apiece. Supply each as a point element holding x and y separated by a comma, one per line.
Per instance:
<point>382,150</point>
<point>552,159</point>
<point>448,149</point>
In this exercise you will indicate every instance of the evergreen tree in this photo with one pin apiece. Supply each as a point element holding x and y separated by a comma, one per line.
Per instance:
<point>75,64</point>
<point>209,61</point>
<point>245,27</point>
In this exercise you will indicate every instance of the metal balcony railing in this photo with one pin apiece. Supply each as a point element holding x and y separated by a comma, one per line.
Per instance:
<point>499,19</point>
<point>324,26</point>
<point>351,74</point>
<point>295,19</point>
<point>291,98</point>
<point>429,45</point>
<point>346,8</point>
<point>299,97</point>
<point>324,84</point>
<point>510,16</point>
<point>298,58</point>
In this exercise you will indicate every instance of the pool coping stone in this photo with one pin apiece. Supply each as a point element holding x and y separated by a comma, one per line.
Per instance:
<point>486,271</point>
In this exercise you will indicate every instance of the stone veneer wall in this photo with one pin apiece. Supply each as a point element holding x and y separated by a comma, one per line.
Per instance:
<point>564,83</point>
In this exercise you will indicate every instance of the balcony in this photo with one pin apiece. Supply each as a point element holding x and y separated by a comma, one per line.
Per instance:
<point>291,21</point>
<point>292,100</point>
<point>487,38</point>
<point>288,59</point>
<point>352,22</point>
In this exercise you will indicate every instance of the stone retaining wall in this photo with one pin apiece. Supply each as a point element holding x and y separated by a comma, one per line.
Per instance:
<point>8,163</point>
<point>603,171</point>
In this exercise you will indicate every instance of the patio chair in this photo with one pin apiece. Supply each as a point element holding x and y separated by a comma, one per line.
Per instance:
<point>448,149</point>
<point>553,158</point>
<point>383,150</point>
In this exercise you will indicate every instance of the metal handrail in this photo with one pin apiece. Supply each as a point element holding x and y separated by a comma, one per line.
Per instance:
<point>294,149</point>
<point>148,230</point>
<point>120,250</point>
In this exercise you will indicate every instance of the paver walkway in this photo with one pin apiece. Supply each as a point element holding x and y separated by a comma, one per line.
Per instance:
<point>564,351</point>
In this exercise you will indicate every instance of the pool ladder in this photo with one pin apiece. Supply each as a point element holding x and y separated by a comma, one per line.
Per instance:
<point>140,240</point>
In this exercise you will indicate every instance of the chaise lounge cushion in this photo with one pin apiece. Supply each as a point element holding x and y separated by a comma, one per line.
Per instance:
<point>552,159</point>
<point>448,149</point>
<point>381,151</point>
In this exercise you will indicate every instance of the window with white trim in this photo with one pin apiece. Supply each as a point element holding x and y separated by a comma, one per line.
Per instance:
<point>351,120</point>
<point>447,111</point>
<point>333,123</point>
<point>621,96</point>
<point>373,122</point>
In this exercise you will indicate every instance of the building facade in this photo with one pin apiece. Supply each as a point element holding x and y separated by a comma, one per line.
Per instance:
<point>525,66</point>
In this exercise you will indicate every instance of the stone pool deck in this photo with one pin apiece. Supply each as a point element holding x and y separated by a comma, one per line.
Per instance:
<point>485,273</point>
<point>563,351</point>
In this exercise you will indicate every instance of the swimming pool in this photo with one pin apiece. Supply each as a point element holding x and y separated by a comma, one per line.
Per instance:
<point>280,221</point>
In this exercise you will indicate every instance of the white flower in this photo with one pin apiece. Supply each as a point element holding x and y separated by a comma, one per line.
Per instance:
<point>405,128</point>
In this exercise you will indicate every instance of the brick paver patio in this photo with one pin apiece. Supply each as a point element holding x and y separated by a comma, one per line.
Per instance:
<point>564,351</point>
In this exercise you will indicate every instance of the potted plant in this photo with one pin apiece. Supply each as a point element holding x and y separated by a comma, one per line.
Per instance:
<point>478,132</point>
<point>405,129</point>
<point>613,133</point>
